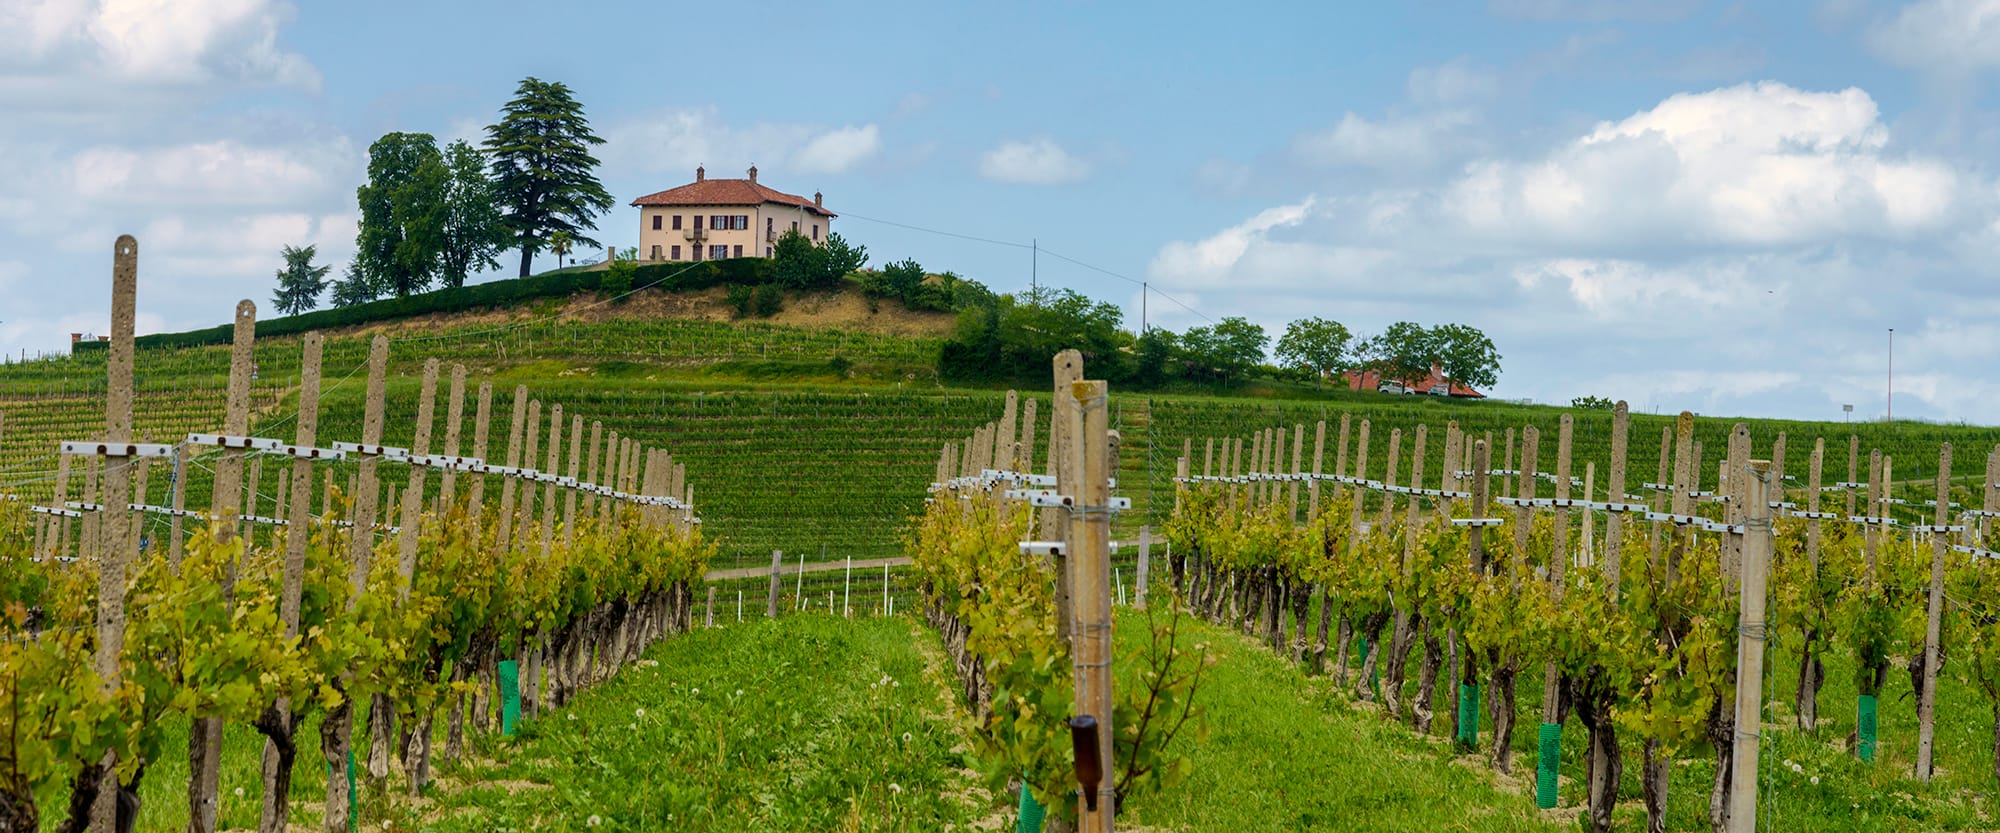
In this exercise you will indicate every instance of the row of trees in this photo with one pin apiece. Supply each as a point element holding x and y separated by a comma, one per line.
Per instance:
<point>1009,337</point>
<point>434,216</point>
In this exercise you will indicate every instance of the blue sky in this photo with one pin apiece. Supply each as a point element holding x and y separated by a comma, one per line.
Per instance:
<point>1713,206</point>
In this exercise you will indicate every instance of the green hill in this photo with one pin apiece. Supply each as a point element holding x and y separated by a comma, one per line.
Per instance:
<point>816,430</point>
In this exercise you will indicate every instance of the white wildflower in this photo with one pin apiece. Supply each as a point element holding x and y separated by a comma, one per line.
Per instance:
<point>593,821</point>
<point>895,684</point>
<point>639,712</point>
<point>572,716</point>
<point>1815,780</point>
<point>694,691</point>
<point>1796,768</point>
<point>906,737</point>
<point>239,792</point>
<point>739,692</point>
<point>896,788</point>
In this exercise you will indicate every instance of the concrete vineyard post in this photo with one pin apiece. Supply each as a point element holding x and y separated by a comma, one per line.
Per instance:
<point>1407,618</point>
<point>1549,750</point>
<point>590,467</point>
<point>777,564</point>
<point>454,416</point>
<point>1145,565</point>
<point>1319,456</point>
<point>482,434</point>
<point>1067,367</point>
<point>413,494</point>
<point>575,473</point>
<point>552,468</point>
<point>533,440</point>
<point>298,532</point>
<point>205,738</point>
<point>110,646</point>
<point>1089,454</point>
<point>1757,546</point>
<point>1465,723</point>
<point>1003,441</point>
<point>176,532</point>
<point>519,422</point>
<point>1934,619</point>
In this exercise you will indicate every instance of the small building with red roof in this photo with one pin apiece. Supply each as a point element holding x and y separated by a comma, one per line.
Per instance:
<point>711,219</point>
<point>1435,384</point>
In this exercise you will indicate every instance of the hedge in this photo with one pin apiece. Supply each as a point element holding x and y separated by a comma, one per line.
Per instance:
<point>671,276</point>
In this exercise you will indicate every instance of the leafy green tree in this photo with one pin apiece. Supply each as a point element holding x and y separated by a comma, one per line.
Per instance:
<point>1159,349</point>
<point>543,172</point>
<point>839,258</point>
<point>1227,350</point>
<point>401,232</point>
<point>797,263</point>
<point>1403,352</point>
<point>474,231</point>
<point>1317,345</point>
<point>300,282</point>
<point>618,274</point>
<point>354,287</point>
<point>1466,355</point>
<point>902,279</point>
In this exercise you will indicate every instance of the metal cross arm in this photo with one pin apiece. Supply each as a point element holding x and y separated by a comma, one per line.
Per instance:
<point>104,449</point>
<point>233,441</point>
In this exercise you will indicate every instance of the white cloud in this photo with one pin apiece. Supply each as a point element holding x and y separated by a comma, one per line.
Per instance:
<point>1952,36</point>
<point>835,151</point>
<point>1192,263</point>
<point>1034,162</point>
<point>155,43</point>
<point>1754,164</point>
<point>1393,143</point>
<point>1739,250</point>
<point>217,172</point>
<point>676,142</point>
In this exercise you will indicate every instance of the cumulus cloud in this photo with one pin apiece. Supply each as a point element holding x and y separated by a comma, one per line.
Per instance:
<point>1033,162</point>
<point>836,151</point>
<point>216,172</point>
<point>155,43</point>
<point>1756,164</point>
<point>1950,36</point>
<point>1393,143</point>
<point>677,141</point>
<point>1736,250</point>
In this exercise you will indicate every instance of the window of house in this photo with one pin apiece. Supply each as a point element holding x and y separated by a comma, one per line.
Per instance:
<point>656,248</point>
<point>795,225</point>
<point>718,252</point>
<point>677,222</point>
<point>694,253</point>
<point>697,222</point>
<point>656,222</point>
<point>739,250</point>
<point>719,222</point>
<point>677,252</point>
<point>743,222</point>
<point>767,251</point>
<point>770,226</point>
<point>815,232</point>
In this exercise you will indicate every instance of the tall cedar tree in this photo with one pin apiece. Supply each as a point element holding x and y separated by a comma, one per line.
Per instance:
<point>402,212</point>
<point>542,168</point>
<point>474,232</point>
<point>353,287</point>
<point>300,282</point>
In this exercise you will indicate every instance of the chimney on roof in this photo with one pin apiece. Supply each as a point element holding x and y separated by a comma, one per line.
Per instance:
<point>817,201</point>
<point>700,173</point>
<point>753,174</point>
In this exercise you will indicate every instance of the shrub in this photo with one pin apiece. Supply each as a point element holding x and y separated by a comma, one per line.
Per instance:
<point>739,300</point>
<point>767,300</point>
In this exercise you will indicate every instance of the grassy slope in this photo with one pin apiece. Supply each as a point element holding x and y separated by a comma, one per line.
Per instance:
<point>783,451</point>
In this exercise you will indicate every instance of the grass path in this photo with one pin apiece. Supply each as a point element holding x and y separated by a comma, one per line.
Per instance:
<point>804,723</point>
<point>1283,752</point>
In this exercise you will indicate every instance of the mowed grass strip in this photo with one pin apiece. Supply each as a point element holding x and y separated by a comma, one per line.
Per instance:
<point>808,722</point>
<point>1284,752</point>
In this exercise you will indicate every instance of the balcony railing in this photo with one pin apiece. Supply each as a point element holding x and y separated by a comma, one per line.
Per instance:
<point>697,234</point>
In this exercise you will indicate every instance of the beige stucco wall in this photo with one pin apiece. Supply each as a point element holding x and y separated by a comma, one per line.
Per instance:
<point>754,240</point>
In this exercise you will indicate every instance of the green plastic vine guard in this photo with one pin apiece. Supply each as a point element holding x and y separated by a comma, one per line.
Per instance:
<point>1864,724</point>
<point>1547,764</point>
<point>1032,812</point>
<point>510,696</point>
<point>1468,715</point>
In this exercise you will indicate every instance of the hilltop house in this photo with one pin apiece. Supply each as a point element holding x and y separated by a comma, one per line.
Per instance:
<point>1435,384</point>
<point>710,219</point>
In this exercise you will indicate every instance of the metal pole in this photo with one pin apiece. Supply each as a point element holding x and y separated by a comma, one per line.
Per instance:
<point>1892,376</point>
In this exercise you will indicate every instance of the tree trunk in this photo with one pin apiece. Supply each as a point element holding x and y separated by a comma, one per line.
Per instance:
<point>1319,643</point>
<point>1721,733</point>
<point>1427,674</point>
<point>1371,629</point>
<point>1606,768</point>
<point>527,257</point>
<point>204,753</point>
<point>1653,783</point>
<point>334,733</point>
<point>1301,596</point>
<point>381,736</point>
<point>18,813</point>
<point>278,727</point>
<point>1502,707</point>
<point>1811,673</point>
<point>1340,654</point>
<point>1401,640</point>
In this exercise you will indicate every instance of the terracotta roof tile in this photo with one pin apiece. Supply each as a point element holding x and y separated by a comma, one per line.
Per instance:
<point>1371,380</point>
<point>729,192</point>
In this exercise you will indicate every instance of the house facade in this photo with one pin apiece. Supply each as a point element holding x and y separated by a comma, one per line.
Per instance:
<point>1434,385</point>
<point>711,219</point>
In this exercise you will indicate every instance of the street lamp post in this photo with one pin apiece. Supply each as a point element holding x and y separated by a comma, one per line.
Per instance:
<point>1892,377</point>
